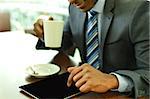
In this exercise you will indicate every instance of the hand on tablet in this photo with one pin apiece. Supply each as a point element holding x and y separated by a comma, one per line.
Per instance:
<point>87,79</point>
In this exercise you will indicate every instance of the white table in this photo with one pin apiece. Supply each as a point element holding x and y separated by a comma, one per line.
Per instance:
<point>17,51</point>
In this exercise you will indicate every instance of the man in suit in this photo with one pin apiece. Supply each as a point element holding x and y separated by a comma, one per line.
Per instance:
<point>123,40</point>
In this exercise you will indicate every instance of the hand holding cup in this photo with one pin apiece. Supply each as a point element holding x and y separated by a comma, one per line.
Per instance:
<point>38,27</point>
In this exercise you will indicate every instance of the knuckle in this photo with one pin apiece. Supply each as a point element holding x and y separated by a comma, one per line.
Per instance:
<point>81,89</point>
<point>77,84</point>
<point>85,65</point>
<point>74,79</point>
<point>73,72</point>
<point>87,76</point>
<point>84,89</point>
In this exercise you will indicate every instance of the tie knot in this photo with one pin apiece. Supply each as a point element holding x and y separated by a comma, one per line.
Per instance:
<point>92,12</point>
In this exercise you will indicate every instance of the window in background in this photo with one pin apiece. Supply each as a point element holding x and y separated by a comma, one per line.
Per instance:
<point>25,12</point>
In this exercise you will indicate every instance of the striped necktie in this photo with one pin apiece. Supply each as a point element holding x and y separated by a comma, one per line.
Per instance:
<point>92,42</point>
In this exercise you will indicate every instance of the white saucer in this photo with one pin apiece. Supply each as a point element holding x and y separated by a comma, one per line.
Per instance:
<point>42,70</point>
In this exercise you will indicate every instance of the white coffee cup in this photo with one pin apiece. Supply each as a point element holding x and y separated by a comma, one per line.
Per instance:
<point>53,31</point>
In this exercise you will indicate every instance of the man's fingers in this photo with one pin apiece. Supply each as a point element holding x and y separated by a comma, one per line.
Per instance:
<point>79,75</point>
<point>40,22</point>
<point>70,69</point>
<point>85,88</point>
<point>72,74</point>
<point>38,30</point>
<point>38,27</point>
<point>80,82</point>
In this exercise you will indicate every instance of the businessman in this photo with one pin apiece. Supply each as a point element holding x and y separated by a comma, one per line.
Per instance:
<point>113,39</point>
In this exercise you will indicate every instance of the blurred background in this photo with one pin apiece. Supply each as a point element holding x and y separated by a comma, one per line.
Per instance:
<point>21,14</point>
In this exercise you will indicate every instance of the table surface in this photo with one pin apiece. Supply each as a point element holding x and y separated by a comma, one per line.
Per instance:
<point>17,52</point>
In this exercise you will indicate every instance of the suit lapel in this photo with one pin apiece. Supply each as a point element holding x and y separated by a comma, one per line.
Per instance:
<point>82,18</point>
<point>106,19</point>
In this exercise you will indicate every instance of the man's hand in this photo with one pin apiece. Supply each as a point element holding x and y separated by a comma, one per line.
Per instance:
<point>87,79</point>
<point>38,27</point>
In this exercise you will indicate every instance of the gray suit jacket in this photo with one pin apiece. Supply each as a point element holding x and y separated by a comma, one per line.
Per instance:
<point>125,40</point>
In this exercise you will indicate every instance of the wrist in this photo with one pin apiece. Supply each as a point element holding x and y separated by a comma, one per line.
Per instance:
<point>114,82</point>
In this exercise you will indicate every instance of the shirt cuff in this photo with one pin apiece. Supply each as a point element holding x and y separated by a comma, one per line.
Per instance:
<point>125,84</point>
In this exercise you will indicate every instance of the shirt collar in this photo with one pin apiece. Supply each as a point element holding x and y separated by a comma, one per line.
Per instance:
<point>99,6</point>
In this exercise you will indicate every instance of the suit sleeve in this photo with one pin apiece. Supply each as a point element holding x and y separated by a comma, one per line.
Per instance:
<point>139,35</point>
<point>68,45</point>
<point>67,42</point>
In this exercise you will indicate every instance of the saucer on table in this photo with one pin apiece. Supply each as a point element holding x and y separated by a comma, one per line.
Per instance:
<point>42,70</point>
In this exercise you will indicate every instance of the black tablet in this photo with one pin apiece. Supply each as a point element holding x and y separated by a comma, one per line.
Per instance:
<point>52,87</point>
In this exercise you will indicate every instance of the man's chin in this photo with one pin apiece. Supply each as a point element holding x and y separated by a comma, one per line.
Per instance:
<point>84,10</point>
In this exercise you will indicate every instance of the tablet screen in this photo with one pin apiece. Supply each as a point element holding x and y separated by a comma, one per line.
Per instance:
<point>52,87</point>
